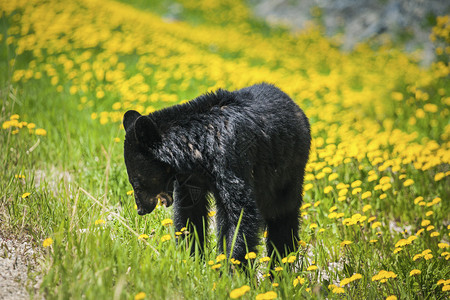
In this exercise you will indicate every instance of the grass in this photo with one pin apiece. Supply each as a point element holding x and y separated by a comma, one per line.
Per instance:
<point>376,189</point>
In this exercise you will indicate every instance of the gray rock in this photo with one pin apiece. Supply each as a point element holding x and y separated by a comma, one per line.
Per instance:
<point>360,20</point>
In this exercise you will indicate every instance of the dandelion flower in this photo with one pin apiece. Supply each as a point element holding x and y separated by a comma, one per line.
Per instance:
<point>338,290</point>
<point>216,266</point>
<point>140,296</point>
<point>99,222</point>
<point>414,272</point>
<point>221,257</point>
<point>165,237</point>
<point>264,259</point>
<point>143,236</point>
<point>239,292</point>
<point>47,242</point>
<point>425,223</point>
<point>392,297</point>
<point>166,222</point>
<point>25,195</point>
<point>250,255</point>
<point>298,280</point>
<point>345,243</point>
<point>212,213</point>
<point>40,131</point>
<point>443,245</point>
<point>375,225</point>
<point>428,256</point>
<point>312,268</point>
<point>267,296</point>
<point>366,207</point>
<point>439,176</point>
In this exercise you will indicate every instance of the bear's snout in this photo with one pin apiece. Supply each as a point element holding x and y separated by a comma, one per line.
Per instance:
<point>146,207</point>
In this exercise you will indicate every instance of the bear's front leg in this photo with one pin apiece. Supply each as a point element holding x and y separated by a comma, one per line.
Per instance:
<point>190,211</point>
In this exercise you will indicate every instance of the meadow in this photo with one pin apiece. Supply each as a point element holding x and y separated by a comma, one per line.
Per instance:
<point>375,218</point>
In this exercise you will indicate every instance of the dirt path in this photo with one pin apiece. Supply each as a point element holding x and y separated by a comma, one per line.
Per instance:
<point>17,258</point>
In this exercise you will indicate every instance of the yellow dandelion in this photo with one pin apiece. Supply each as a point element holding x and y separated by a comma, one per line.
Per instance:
<point>278,269</point>
<point>140,296</point>
<point>298,280</point>
<point>165,237</point>
<point>345,281</point>
<point>327,189</point>
<point>414,272</point>
<point>418,199</point>
<point>312,268</point>
<point>425,223</point>
<point>436,201</point>
<point>408,182</point>
<point>250,255</point>
<point>221,257</point>
<point>332,215</point>
<point>313,225</point>
<point>345,243</point>
<point>131,192</point>
<point>166,222</point>
<point>143,236</point>
<point>216,266</point>
<point>267,296</point>
<point>47,242</point>
<point>212,213</point>
<point>305,206</point>
<point>25,195</point>
<point>446,288</point>
<point>239,292</point>
<point>392,297</point>
<point>338,290</point>
<point>264,259</point>
<point>366,207</point>
<point>428,256</point>
<point>376,224</point>
<point>434,234</point>
<point>40,131</point>
<point>439,176</point>
<point>235,261</point>
<point>99,222</point>
<point>443,245</point>
<point>396,250</point>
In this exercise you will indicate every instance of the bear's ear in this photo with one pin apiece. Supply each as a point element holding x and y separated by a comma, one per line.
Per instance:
<point>129,118</point>
<point>146,131</point>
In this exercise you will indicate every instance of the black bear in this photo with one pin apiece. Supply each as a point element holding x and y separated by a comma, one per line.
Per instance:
<point>248,148</point>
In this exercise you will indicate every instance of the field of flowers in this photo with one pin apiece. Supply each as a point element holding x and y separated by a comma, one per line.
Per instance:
<point>375,221</point>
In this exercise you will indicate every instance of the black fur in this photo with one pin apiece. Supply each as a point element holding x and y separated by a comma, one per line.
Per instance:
<point>248,148</point>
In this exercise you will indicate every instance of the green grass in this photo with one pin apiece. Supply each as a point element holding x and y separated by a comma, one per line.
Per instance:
<point>76,176</point>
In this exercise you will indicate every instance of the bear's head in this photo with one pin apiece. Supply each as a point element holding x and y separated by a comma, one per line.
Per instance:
<point>149,176</point>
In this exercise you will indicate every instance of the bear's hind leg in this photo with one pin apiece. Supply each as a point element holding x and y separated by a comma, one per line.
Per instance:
<point>282,234</point>
<point>247,237</point>
<point>283,229</point>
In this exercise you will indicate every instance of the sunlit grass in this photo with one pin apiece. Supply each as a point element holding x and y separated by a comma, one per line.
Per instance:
<point>375,217</point>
